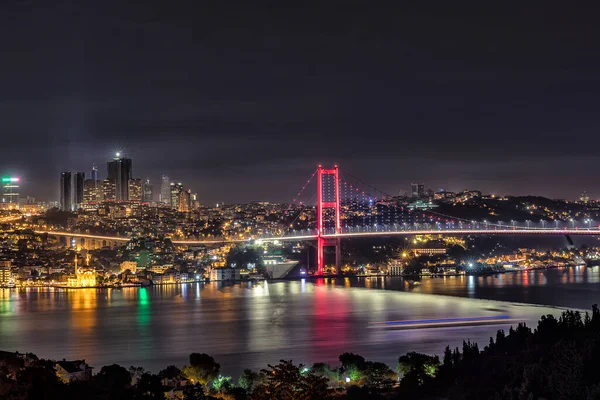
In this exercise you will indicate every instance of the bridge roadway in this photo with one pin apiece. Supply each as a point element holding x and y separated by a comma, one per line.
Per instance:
<point>509,231</point>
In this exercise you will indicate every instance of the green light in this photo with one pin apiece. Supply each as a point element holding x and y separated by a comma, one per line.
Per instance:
<point>5,179</point>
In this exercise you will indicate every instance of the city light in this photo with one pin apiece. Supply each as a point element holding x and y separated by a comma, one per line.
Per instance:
<point>7,179</point>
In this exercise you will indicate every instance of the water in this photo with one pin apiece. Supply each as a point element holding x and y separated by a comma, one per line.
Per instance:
<point>251,325</point>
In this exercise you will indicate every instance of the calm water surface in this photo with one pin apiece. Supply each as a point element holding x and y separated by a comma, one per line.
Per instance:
<point>250,325</point>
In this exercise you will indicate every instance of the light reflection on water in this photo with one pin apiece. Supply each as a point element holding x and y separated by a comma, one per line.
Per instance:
<point>252,324</point>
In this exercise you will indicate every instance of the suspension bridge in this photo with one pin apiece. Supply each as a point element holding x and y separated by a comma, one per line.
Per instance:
<point>346,210</point>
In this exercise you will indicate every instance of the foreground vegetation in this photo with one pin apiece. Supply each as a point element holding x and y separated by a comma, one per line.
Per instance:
<point>557,360</point>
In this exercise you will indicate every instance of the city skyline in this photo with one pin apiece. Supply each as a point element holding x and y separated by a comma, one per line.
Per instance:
<point>395,94</point>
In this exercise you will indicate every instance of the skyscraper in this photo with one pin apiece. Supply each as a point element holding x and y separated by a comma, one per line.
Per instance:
<point>109,192</point>
<point>66,191</point>
<point>175,189</point>
<point>185,199</point>
<point>78,194</point>
<point>10,191</point>
<point>135,189</point>
<point>119,173</point>
<point>92,191</point>
<point>147,192</point>
<point>165,190</point>
<point>417,190</point>
<point>94,174</point>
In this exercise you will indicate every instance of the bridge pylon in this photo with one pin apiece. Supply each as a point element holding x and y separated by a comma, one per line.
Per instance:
<point>328,200</point>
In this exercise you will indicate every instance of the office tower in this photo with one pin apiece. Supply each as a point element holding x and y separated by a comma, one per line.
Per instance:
<point>119,173</point>
<point>165,190</point>
<point>94,174</point>
<point>195,204</point>
<point>185,199</point>
<point>78,194</point>
<point>135,189</point>
<point>109,191</point>
<point>175,190</point>
<point>10,191</point>
<point>66,191</point>
<point>147,191</point>
<point>92,191</point>
<point>417,189</point>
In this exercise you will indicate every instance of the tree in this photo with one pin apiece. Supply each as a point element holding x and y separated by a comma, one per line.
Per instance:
<point>202,369</point>
<point>170,372</point>
<point>222,383</point>
<point>325,370</point>
<point>113,378</point>
<point>149,387</point>
<point>193,392</point>
<point>417,369</point>
<point>281,381</point>
<point>313,387</point>
<point>248,380</point>
<point>136,373</point>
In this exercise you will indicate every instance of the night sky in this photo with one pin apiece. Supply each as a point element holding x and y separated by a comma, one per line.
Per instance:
<point>241,100</point>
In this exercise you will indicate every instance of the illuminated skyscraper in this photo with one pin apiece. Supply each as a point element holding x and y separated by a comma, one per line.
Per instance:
<point>94,174</point>
<point>119,173</point>
<point>185,199</point>
<point>92,191</point>
<point>165,190</point>
<point>10,191</point>
<point>417,190</point>
<point>109,192</point>
<point>66,191</point>
<point>135,189</point>
<point>175,189</point>
<point>78,194</point>
<point>147,192</point>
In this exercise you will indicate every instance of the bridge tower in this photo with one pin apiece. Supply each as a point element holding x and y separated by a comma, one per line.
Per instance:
<point>328,200</point>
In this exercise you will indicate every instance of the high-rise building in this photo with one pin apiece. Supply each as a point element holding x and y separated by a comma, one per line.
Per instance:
<point>175,189</point>
<point>109,191</point>
<point>165,190</point>
<point>195,202</point>
<point>92,191</point>
<point>135,189</point>
<point>417,189</point>
<point>94,173</point>
<point>10,190</point>
<point>66,191</point>
<point>119,173</point>
<point>78,194</point>
<point>147,191</point>
<point>185,200</point>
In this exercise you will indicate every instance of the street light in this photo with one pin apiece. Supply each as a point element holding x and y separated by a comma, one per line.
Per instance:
<point>527,221</point>
<point>543,223</point>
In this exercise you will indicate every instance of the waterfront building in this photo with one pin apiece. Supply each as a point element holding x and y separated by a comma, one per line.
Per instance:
<point>66,192</point>
<point>5,274</point>
<point>225,274</point>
